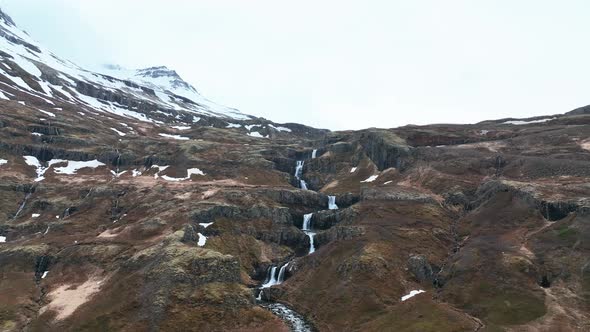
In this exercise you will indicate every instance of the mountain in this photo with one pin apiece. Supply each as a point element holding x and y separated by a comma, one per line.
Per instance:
<point>128,202</point>
<point>154,94</point>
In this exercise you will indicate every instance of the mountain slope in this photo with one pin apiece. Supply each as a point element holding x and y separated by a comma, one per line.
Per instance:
<point>33,70</point>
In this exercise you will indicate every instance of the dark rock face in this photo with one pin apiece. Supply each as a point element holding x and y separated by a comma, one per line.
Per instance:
<point>396,194</point>
<point>347,200</point>
<point>338,233</point>
<point>279,216</point>
<point>550,210</point>
<point>307,198</point>
<point>190,235</point>
<point>42,264</point>
<point>457,198</point>
<point>45,130</point>
<point>328,218</point>
<point>385,149</point>
<point>420,268</point>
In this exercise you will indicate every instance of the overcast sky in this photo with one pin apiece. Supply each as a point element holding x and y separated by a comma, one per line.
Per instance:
<point>340,64</point>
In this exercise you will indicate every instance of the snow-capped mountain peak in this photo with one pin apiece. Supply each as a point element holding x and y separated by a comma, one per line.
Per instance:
<point>155,94</point>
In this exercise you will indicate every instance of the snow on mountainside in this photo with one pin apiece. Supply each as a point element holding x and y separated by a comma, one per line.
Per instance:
<point>29,71</point>
<point>162,78</point>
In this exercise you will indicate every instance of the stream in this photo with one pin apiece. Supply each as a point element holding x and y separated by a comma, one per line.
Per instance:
<point>276,274</point>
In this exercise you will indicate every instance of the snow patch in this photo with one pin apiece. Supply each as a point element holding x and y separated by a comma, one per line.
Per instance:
<point>189,172</point>
<point>181,127</point>
<point>74,166</point>
<point>256,134</point>
<point>371,178</point>
<point>3,161</point>
<point>281,128</point>
<point>118,132</point>
<point>177,137</point>
<point>202,240</point>
<point>40,169</point>
<point>115,174</point>
<point>28,66</point>
<point>412,294</point>
<point>46,113</point>
<point>520,122</point>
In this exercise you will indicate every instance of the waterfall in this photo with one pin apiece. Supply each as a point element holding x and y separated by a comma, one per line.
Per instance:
<point>272,280</point>
<point>332,203</point>
<point>275,277</point>
<point>307,221</point>
<point>299,169</point>
<point>303,184</point>
<point>259,297</point>
<point>282,273</point>
<point>314,153</point>
<point>311,245</point>
<point>306,227</point>
<point>22,206</point>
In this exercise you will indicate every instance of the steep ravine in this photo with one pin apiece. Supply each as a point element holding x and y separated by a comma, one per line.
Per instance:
<point>276,275</point>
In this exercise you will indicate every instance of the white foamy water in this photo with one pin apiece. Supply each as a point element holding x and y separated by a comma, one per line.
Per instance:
<point>311,235</point>
<point>303,184</point>
<point>292,318</point>
<point>307,221</point>
<point>332,203</point>
<point>299,169</point>
<point>271,279</point>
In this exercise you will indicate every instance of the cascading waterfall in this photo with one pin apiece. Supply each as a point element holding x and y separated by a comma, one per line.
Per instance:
<point>303,184</point>
<point>271,279</point>
<point>299,174</point>
<point>311,245</point>
<point>275,277</point>
<point>306,227</point>
<point>281,277</point>
<point>307,221</point>
<point>296,321</point>
<point>332,203</point>
<point>299,169</point>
